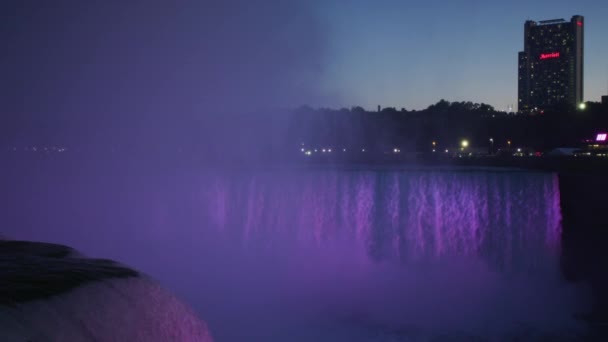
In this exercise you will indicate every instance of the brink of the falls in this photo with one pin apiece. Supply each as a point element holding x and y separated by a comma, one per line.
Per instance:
<point>51,293</point>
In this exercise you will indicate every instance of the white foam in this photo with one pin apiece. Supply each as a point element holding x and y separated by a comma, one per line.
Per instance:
<point>126,309</point>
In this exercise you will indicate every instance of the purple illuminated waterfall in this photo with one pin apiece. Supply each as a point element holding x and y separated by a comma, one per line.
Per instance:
<point>509,221</point>
<point>326,255</point>
<point>421,251</point>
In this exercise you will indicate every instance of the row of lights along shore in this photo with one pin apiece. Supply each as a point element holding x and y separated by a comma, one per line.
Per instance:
<point>463,145</point>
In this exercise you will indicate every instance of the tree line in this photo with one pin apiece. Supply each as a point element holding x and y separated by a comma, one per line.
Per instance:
<point>445,123</point>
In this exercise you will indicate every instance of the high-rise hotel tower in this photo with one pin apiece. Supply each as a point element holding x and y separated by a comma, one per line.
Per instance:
<point>551,65</point>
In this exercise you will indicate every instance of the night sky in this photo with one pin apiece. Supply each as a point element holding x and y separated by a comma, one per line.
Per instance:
<point>73,58</point>
<point>413,53</point>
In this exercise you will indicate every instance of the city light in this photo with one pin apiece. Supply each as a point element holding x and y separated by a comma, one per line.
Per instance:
<point>601,137</point>
<point>582,106</point>
<point>549,55</point>
<point>464,143</point>
<point>434,143</point>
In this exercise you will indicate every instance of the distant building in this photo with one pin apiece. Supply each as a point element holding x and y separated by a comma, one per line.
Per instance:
<point>605,99</point>
<point>551,65</point>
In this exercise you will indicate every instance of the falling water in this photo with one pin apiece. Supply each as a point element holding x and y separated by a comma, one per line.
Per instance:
<point>443,251</point>
<point>320,254</point>
<point>509,222</point>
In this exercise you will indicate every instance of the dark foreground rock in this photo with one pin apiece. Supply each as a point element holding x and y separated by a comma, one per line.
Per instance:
<point>51,293</point>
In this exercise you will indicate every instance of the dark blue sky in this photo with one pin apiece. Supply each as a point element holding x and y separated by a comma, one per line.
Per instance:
<point>413,53</point>
<point>75,59</point>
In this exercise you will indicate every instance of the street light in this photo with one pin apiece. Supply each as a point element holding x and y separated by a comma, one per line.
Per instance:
<point>582,106</point>
<point>464,143</point>
<point>491,145</point>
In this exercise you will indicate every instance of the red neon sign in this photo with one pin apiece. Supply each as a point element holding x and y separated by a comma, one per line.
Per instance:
<point>579,23</point>
<point>549,55</point>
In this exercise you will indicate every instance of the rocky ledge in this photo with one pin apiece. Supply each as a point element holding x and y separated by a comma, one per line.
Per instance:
<point>50,292</point>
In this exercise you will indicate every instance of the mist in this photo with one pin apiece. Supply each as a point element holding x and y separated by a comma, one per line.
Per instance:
<point>150,74</point>
<point>169,113</point>
<point>314,254</point>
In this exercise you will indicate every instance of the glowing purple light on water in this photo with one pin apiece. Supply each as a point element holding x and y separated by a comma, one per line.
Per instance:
<point>249,250</point>
<point>414,216</point>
